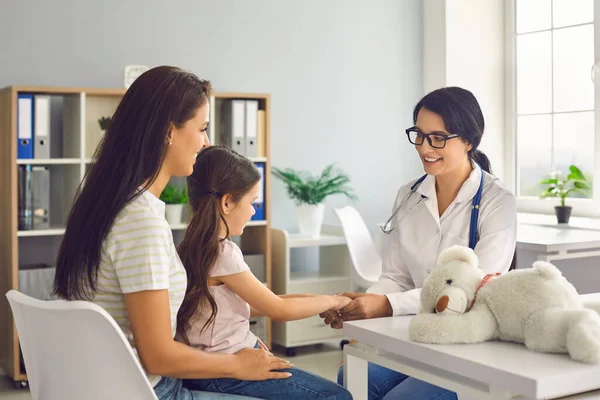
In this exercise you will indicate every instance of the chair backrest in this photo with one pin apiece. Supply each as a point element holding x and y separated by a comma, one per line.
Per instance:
<point>75,350</point>
<point>363,252</point>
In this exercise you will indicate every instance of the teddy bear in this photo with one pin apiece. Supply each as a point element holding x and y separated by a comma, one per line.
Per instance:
<point>536,306</point>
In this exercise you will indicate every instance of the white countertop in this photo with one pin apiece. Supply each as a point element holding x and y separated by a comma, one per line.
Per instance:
<point>508,365</point>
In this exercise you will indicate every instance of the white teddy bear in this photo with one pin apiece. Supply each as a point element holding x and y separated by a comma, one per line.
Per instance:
<point>535,306</point>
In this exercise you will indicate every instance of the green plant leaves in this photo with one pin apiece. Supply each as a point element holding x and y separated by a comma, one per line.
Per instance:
<point>174,195</point>
<point>558,187</point>
<point>305,188</point>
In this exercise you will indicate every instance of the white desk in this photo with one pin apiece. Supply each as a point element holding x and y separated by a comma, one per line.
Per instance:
<point>552,243</point>
<point>490,370</point>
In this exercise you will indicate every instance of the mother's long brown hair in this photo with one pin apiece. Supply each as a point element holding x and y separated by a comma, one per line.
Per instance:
<point>218,171</point>
<point>130,155</point>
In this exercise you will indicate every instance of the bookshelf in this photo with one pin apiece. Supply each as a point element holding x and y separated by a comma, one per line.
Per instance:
<point>74,134</point>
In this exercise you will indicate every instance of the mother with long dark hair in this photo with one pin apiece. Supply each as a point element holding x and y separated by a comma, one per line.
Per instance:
<point>118,249</point>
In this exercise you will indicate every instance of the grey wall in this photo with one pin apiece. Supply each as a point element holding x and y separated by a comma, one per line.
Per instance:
<point>343,74</point>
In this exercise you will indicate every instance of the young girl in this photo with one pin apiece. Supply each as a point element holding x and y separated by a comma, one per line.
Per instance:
<point>222,293</point>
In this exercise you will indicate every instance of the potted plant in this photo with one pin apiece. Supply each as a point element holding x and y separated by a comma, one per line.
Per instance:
<point>560,187</point>
<point>174,199</point>
<point>309,192</point>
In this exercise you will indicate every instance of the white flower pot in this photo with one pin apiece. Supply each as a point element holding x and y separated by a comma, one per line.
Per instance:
<point>173,213</point>
<point>310,219</point>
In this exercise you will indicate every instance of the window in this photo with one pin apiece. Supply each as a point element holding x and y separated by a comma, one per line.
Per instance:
<point>552,107</point>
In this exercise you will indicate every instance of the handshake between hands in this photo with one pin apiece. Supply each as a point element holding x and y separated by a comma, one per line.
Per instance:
<point>357,306</point>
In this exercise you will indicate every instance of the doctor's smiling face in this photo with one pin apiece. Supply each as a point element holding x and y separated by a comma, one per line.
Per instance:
<point>438,161</point>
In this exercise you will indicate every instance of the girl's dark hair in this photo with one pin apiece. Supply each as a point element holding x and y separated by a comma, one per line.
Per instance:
<point>462,115</point>
<point>218,171</point>
<point>129,156</point>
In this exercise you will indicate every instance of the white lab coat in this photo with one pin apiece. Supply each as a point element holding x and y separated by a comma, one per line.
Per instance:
<point>413,247</point>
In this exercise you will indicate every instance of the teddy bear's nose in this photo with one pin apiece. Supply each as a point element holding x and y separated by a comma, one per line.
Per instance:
<point>442,304</point>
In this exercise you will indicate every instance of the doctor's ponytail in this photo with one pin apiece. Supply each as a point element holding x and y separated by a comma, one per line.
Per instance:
<point>462,115</point>
<point>480,158</point>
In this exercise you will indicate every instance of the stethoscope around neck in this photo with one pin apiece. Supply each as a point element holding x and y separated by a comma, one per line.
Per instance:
<point>474,210</point>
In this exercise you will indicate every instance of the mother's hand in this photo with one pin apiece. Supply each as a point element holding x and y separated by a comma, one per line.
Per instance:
<point>259,365</point>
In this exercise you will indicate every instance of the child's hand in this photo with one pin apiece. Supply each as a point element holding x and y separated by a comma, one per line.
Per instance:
<point>340,302</point>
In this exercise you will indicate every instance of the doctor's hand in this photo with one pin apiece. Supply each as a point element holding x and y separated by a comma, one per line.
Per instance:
<point>332,318</point>
<point>365,306</point>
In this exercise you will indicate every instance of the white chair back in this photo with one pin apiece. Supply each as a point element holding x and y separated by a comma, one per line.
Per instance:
<point>75,350</point>
<point>363,252</point>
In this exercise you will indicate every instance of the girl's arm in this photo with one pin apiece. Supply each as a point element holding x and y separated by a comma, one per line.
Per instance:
<point>245,285</point>
<point>255,313</point>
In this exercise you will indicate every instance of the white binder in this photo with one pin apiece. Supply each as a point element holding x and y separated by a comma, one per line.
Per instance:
<point>251,128</point>
<point>41,147</point>
<point>233,125</point>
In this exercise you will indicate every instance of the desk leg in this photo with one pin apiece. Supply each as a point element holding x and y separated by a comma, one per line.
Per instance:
<point>356,376</point>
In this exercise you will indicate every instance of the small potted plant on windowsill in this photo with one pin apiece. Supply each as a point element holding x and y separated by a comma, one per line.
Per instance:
<point>562,188</point>
<point>174,199</point>
<point>309,192</point>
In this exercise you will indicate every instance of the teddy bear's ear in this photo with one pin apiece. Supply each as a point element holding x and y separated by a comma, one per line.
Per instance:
<point>459,253</point>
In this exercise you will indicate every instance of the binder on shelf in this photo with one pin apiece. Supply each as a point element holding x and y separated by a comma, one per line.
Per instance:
<point>233,125</point>
<point>41,131</point>
<point>35,280</point>
<point>259,205</point>
<point>40,197</point>
<point>25,126</point>
<point>251,128</point>
<point>24,198</point>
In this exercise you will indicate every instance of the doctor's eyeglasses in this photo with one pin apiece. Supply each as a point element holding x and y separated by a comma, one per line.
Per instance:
<point>435,140</point>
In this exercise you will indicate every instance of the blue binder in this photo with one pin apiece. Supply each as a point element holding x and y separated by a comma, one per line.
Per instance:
<point>25,115</point>
<point>259,205</point>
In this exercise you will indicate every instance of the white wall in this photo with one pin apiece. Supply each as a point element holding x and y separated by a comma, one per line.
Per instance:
<point>464,46</point>
<point>343,74</point>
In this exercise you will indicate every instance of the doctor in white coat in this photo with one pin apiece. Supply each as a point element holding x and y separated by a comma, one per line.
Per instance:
<point>457,201</point>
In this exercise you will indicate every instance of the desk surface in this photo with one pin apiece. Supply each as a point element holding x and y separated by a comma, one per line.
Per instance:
<point>507,365</point>
<point>549,238</point>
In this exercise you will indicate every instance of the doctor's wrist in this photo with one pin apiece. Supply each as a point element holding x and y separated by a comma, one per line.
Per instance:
<point>385,308</point>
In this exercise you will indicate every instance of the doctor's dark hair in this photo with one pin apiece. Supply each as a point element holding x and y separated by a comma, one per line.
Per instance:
<point>218,171</point>
<point>129,156</point>
<point>462,116</point>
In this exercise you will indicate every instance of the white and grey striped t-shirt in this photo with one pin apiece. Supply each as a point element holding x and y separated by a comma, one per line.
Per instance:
<point>137,255</point>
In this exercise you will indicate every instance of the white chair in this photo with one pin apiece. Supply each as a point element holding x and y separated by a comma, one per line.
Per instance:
<point>363,252</point>
<point>75,350</point>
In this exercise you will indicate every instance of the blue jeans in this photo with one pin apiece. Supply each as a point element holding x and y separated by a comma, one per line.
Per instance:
<point>172,389</point>
<point>386,384</point>
<point>301,385</point>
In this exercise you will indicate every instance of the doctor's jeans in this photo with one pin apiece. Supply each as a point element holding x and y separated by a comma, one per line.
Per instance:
<point>385,384</point>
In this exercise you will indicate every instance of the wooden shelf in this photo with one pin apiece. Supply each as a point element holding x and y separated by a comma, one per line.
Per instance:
<point>81,108</point>
<point>42,232</point>
<point>182,226</point>
<point>49,161</point>
<point>258,159</point>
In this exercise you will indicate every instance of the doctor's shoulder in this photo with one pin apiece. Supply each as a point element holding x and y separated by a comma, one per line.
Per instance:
<point>496,194</point>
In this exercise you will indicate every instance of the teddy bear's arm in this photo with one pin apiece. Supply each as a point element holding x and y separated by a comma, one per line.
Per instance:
<point>477,325</point>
